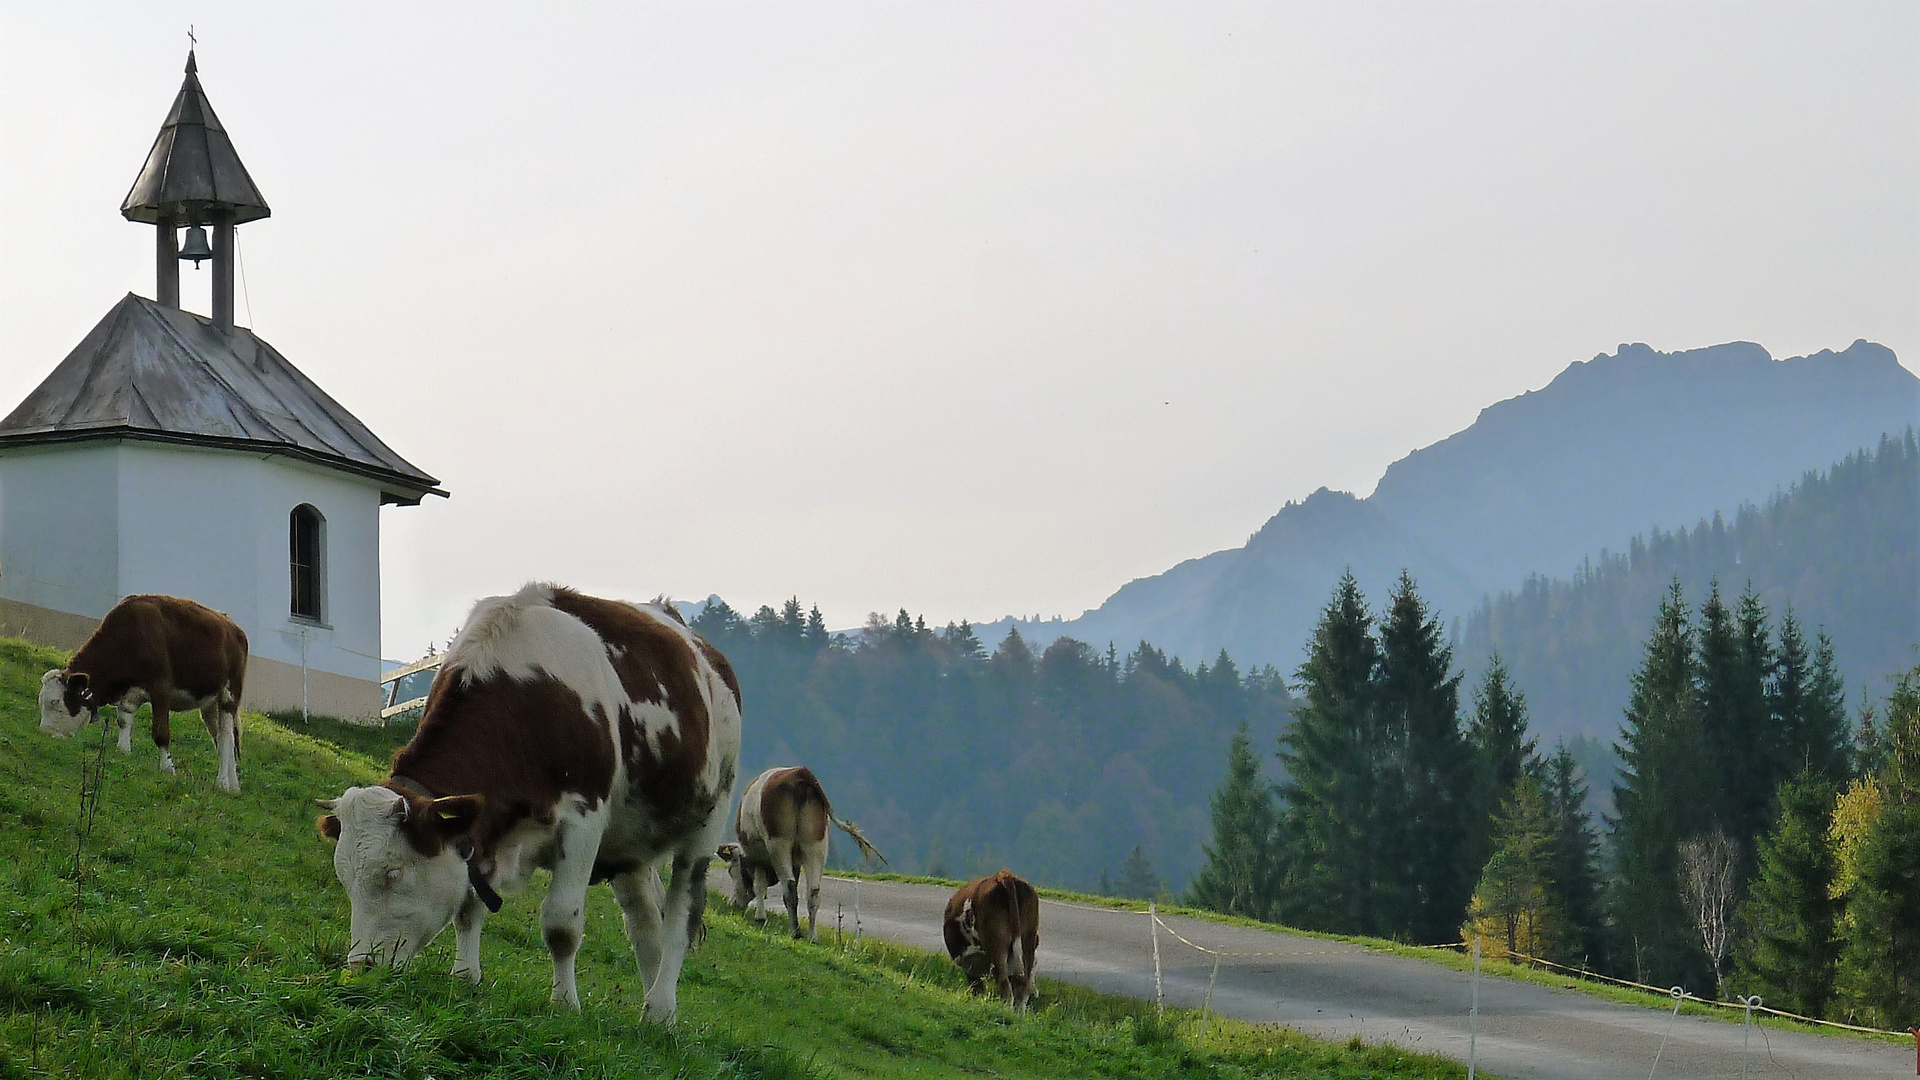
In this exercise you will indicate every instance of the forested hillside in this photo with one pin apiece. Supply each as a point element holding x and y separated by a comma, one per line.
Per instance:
<point>956,760</point>
<point>1840,550</point>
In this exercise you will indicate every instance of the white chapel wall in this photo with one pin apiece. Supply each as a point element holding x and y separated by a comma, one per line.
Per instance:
<point>59,538</point>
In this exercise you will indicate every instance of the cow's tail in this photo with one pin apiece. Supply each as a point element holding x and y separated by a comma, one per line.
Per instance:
<point>866,846</point>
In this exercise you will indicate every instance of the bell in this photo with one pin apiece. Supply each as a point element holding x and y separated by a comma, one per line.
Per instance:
<point>195,247</point>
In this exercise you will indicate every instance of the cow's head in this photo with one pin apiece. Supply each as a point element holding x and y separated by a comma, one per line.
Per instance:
<point>65,704</point>
<point>402,861</point>
<point>735,857</point>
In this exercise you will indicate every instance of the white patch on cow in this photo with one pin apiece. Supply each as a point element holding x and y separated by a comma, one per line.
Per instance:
<point>523,636</point>
<point>400,899</point>
<point>969,930</point>
<point>54,717</point>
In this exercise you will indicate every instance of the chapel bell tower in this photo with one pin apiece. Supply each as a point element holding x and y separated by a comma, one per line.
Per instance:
<point>194,180</point>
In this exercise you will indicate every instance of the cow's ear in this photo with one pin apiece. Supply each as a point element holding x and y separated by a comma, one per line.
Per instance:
<point>455,814</point>
<point>328,825</point>
<point>77,682</point>
<point>724,852</point>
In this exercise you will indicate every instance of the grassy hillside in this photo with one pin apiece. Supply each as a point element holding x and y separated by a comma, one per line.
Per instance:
<point>204,934</point>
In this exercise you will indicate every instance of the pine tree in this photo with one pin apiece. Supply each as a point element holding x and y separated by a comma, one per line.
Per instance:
<point>1502,751</point>
<point>1137,879</point>
<point>1427,802</point>
<point>1736,721</point>
<point>1878,975</point>
<point>1576,856</point>
<point>1788,948</point>
<point>1513,910</point>
<point>1812,726</point>
<point>1333,753</point>
<point>1237,878</point>
<point>1658,801</point>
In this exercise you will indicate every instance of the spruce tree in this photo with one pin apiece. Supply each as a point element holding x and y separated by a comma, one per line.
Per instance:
<point>1657,802</point>
<point>1788,948</point>
<point>1427,801</point>
<point>1736,720</point>
<point>1878,975</point>
<point>1576,857</point>
<point>1329,858</point>
<point>1237,878</point>
<point>1514,908</point>
<point>1808,707</point>
<point>1137,879</point>
<point>1502,750</point>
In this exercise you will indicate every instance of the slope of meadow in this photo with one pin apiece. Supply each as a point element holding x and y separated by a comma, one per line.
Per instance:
<point>204,933</point>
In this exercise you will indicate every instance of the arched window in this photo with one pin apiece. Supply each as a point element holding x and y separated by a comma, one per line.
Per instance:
<point>306,555</point>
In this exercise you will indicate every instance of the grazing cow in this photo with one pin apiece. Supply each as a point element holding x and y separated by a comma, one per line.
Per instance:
<point>992,928</point>
<point>589,737</point>
<point>782,831</point>
<point>160,649</point>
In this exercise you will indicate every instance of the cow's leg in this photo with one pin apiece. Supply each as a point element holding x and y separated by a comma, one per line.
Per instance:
<point>163,728</point>
<point>761,880</point>
<point>638,892</point>
<point>125,717</point>
<point>563,917</point>
<point>226,736</point>
<point>686,904</point>
<point>790,893</point>
<point>815,863</point>
<point>466,933</point>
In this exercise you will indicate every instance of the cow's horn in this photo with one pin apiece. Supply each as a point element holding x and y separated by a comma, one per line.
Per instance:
<point>328,805</point>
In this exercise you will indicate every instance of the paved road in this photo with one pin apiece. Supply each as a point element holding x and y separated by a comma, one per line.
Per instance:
<point>1335,991</point>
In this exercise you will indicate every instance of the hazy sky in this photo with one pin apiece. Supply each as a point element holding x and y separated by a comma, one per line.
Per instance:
<point>975,309</point>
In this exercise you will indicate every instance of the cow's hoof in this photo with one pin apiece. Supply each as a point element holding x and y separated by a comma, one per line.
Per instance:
<point>166,766</point>
<point>660,1013</point>
<point>471,975</point>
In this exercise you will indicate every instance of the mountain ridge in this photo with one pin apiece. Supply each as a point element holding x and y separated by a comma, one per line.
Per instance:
<point>1607,449</point>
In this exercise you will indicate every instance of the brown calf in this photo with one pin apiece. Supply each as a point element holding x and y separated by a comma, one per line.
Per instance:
<point>992,929</point>
<point>161,649</point>
<point>782,831</point>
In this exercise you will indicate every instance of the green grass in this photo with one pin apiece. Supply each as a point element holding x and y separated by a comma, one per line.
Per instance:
<point>205,934</point>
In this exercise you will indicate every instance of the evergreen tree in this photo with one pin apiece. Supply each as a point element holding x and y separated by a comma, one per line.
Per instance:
<point>1878,976</point>
<point>1735,718</point>
<point>1137,879</point>
<point>1576,855</point>
<point>816,632</point>
<point>1498,730</point>
<point>1788,948</point>
<point>1809,710</point>
<point>1426,805</point>
<point>1237,878</point>
<point>1333,752</point>
<point>1513,911</point>
<point>1658,801</point>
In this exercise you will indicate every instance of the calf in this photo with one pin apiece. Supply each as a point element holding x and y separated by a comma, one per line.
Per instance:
<point>782,831</point>
<point>592,738</point>
<point>992,928</point>
<point>160,649</point>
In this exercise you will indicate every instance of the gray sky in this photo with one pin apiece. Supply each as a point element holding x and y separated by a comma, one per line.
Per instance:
<point>973,308</point>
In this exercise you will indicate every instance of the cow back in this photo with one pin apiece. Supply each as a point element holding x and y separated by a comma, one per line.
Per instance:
<point>152,641</point>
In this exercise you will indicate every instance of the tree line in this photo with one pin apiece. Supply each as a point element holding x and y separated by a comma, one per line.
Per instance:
<point>1761,841</point>
<point>1079,767</point>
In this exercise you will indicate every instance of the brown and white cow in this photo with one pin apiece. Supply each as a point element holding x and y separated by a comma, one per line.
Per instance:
<point>992,929</point>
<point>782,838</point>
<point>593,738</point>
<point>161,649</point>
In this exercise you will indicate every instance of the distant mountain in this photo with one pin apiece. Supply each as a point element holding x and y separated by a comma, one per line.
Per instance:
<point>1612,447</point>
<point>1841,549</point>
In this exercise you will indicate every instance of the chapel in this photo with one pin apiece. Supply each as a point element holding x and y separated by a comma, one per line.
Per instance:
<point>174,452</point>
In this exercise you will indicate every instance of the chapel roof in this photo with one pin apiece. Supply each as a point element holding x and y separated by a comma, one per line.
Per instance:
<point>156,373</point>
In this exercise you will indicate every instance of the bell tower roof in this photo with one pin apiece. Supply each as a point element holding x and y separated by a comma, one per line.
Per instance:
<point>192,170</point>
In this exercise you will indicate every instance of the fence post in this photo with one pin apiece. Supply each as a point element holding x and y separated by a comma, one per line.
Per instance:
<point>1746,1034</point>
<point>1159,997</point>
<point>1679,994</point>
<point>856,911</point>
<point>1473,1017</point>
<point>1206,1008</point>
